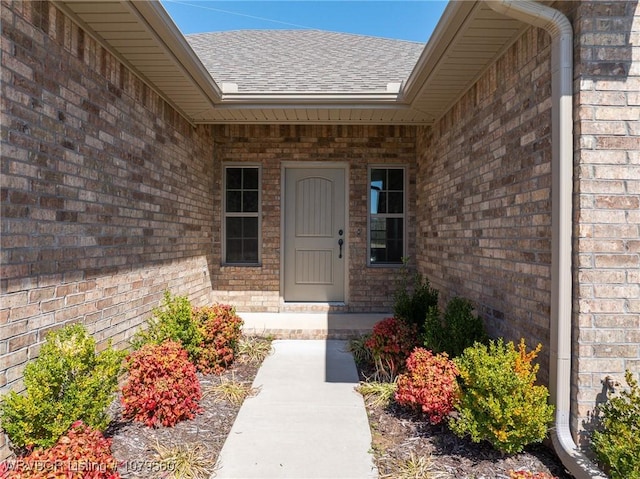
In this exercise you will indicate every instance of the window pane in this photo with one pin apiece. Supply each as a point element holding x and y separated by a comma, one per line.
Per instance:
<point>242,232</point>
<point>250,201</point>
<point>234,178</point>
<point>395,202</point>
<point>378,232</point>
<point>250,228</point>
<point>394,240</point>
<point>234,201</point>
<point>386,238</point>
<point>234,250</point>
<point>250,251</point>
<point>250,178</point>
<point>379,176</point>
<point>396,179</point>
<point>382,202</point>
<point>234,227</point>
<point>242,240</point>
<point>387,197</point>
<point>375,201</point>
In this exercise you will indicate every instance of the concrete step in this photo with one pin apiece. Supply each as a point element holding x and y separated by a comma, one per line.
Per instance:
<point>310,325</point>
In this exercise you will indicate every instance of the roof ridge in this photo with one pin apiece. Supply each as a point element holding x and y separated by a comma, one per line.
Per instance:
<point>305,30</point>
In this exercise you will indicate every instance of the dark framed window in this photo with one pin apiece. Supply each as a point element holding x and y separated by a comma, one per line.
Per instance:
<point>387,206</point>
<point>241,223</point>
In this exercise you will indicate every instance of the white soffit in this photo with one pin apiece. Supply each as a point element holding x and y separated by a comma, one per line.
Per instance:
<point>468,38</point>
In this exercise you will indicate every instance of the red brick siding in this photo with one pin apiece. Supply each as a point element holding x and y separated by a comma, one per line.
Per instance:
<point>258,288</point>
<point>607,238</point>
<point>483,198</point>
<point>106,190</point>
<point>484,195</point>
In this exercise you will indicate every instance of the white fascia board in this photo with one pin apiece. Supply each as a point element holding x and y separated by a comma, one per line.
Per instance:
<point>166,31</point>
<point>452,19</point>
<point>289,105</point>
<point>306,98</point>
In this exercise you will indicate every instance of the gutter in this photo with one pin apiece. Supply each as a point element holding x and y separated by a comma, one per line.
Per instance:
<point>560,30</point>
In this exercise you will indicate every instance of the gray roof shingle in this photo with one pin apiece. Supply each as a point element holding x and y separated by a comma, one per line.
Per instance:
<point>304,60</point>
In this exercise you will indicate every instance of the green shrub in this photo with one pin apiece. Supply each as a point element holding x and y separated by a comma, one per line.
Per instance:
<point>412,301</point>
<point>617,445</point>
<point>500,402</point>
<point>462,328</point>
<point>429,385</point>
<point>456,331</point>
<point>172,320</point>
<point>66,383</point>
<point>433,331</point>
<point>162,387</point>
<point>220,328</point>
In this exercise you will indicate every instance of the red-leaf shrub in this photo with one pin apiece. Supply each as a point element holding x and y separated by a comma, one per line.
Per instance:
<point>390,343</point>
<point>530,475</point>
<point>162,386</point>
<point>221,329</point>
<point>81,453</point>
<point>429,384</point>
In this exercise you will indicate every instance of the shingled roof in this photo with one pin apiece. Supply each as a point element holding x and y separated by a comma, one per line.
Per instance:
<point>301,76</point>
<point>304,60</point>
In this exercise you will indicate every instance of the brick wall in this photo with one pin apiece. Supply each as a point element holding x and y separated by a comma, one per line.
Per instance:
<point>484,196</point>
<point>258,288</point>
<point>607,238</point>
<point>106,191</point>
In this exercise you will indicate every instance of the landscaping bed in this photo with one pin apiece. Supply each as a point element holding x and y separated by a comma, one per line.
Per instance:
<point>135,446</point>
<point>406,445</point>
<point>480,415</point>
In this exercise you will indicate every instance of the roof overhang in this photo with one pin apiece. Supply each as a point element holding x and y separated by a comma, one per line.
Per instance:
<point>469,37</point>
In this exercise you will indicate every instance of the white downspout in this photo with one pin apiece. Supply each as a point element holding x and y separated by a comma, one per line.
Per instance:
<point>559,28</point>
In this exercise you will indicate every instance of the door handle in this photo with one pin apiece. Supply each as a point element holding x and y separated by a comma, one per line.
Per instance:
<point>340,243</point>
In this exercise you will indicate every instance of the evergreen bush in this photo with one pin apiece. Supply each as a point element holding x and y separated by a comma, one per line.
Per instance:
<point>412,299</point>
<point>66,383</point>
<point>172,320</point>
<point>500,402</point>
<point>617,444</point>
<point>455,331</point>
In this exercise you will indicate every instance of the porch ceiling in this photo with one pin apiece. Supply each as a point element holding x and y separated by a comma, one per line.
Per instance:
<point>468,38</point>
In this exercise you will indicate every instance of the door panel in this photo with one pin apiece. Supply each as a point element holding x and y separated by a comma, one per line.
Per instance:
<point>314,213</point>
<point>314,210</point>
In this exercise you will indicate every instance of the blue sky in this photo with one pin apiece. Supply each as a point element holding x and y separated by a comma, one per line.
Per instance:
<point>404,20</point>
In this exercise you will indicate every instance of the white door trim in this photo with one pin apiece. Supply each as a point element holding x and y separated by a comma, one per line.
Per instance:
<point>308,165</point>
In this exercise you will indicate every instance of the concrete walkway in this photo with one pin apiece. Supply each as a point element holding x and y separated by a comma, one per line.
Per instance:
<point>307,421</point>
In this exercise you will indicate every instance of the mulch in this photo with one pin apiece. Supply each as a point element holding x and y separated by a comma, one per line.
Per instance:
<point>134,443</point>
<point>398,434</point>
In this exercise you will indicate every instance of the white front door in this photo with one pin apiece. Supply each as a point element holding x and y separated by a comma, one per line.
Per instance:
<point>314,234</point>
